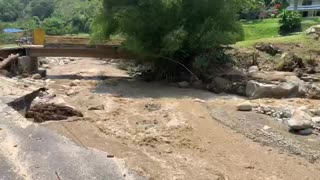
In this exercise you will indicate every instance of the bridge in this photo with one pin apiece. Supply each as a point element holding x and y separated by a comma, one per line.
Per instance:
<point>99,51</point>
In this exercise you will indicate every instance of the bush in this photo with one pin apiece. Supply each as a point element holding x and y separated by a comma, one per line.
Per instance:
<point>252,9</point>
<point>290,21</point>
<point>179,30</point>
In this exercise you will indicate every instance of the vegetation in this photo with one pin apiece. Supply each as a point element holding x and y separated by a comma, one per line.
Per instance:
<point>268,28</point>
<point>56,16</point>
<point>163,31</point>
<point>290,21</point>
<point>261,9</point>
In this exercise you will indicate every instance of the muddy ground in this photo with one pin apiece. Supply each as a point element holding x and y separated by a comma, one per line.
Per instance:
<point>163,132</point>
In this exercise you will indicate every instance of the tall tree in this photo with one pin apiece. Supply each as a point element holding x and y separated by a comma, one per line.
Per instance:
<point>170,27</point>
<point>41,8</point>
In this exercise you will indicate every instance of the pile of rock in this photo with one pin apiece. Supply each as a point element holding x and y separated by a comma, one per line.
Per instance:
<point>281,114</point>
<point>55,61</point>
<point>302,121</point>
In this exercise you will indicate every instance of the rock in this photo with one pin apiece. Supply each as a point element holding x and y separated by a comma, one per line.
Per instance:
<point>71,92</point>
<point>152,107</point>
<point>4,73</point>
<point>316,120</point>
<point>96,107</point>
<point>36,76</point>
<point>183,84</point>
<point>315,112</point>
<point>45,66</point>
<point>313,91</point>
<point>300,119</point>
<point>268,48</point>
<point>219,85</point>
<point>305,132</point>
<point>197,84</point>
<point>310,70</point>
<point>298,72</point>
<point>28,65</point>
<point>255,90</point>
<point>42,72</point>
<point>266,127</point>
<point>75,83</point>
<point>199,100</point>
<point>246,106</point>
<point>314,31</point>
<point>253,69</point>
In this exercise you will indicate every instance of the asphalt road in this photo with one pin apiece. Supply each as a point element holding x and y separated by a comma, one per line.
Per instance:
<point>30,151</point>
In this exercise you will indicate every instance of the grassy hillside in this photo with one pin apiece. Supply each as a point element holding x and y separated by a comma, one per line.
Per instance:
<point>269,28</point>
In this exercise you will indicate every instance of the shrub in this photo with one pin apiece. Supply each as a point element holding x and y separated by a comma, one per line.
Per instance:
<point>179,30</point>
<point>252,9</point>
<point>290,21</point>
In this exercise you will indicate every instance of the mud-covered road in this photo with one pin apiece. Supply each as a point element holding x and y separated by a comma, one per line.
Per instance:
<point>163,132</point>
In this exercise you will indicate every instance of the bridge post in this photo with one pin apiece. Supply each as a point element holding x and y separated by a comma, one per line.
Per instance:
<point>28,65</point>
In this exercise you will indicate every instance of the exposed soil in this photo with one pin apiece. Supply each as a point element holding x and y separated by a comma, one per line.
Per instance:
<point>163,132</point>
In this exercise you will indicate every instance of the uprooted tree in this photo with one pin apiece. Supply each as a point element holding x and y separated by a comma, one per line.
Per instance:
<point>164,30</point>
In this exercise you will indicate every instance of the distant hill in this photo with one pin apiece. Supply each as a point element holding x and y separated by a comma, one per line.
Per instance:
<point>56,16</point>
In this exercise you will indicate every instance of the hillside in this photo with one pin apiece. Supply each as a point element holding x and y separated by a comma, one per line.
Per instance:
<point>57,17</point>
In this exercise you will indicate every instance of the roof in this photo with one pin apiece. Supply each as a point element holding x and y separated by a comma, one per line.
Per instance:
<point>12,30</point>
<point>307,7</point>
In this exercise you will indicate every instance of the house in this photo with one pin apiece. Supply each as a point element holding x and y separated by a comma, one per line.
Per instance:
<point>308,7</point>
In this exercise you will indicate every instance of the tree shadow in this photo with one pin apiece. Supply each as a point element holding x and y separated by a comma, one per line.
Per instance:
<point>136,89</point>
<point>81,77</point>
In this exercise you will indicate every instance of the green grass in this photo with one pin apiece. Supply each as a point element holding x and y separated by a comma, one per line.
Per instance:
<point>298,38</point>
<point>2,46</point>
<point>268,28</point>
<point>258,29</point>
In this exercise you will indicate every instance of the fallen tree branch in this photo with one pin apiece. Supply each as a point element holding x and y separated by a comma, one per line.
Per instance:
<point>6,62</point>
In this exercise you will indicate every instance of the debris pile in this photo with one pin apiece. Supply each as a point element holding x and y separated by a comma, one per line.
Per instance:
<point>51,112</point>
<point>24,66</point>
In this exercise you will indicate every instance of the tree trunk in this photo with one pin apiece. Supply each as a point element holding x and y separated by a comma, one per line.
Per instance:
<point>6,62</point>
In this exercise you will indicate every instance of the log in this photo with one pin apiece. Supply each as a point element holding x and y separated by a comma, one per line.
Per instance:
<point>6,62</point>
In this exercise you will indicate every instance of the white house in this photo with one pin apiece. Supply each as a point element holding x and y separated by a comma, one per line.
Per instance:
<point>308,7</point>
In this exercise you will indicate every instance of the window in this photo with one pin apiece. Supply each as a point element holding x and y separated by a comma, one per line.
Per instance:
<point>307,2</point>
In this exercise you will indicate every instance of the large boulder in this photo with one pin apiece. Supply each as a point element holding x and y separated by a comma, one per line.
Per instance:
<point>314,31</point>
<point>270,76</point>
<point>219,85</point>
<point>291,88</point>
<point>300,120</point>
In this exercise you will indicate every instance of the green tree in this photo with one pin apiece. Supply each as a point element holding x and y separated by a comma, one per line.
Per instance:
<point>54,26</point>
<point>169,29</point>
<point>40,8</point>
<point>10,10</point>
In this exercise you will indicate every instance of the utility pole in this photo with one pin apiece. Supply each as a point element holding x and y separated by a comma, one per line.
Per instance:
<point>296,5</point>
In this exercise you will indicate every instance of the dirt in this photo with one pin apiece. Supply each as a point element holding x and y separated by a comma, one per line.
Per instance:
<point>163,132</point>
